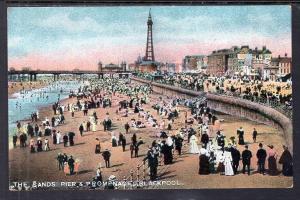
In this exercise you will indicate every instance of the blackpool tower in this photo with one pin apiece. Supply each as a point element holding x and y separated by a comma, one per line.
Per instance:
<point>149,56</point>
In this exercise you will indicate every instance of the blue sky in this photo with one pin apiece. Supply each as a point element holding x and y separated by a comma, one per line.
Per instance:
<point>112,34</point>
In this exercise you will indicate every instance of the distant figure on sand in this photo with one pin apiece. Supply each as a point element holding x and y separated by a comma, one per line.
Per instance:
<point>193,145</point>
<point>106,156</point>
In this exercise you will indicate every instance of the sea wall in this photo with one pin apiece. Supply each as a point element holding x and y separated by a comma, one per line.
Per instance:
<point>233,106</point>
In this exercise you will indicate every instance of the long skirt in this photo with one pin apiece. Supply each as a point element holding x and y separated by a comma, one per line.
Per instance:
<point>204,165</point>
<point>212,169</point>
<point>32,149</point>
<point>287,169</point>
<point>272,166</point>
<point>114,143</point>
<point>241,141</point>
<point>76,167</point>
<point>66,169</point>
<point>221,168</point>
<point>97,149</point>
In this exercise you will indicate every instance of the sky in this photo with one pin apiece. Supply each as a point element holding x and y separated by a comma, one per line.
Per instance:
<point>79,37</point>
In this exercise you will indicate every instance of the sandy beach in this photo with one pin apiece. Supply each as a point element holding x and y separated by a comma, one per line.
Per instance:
<point>25,166</point>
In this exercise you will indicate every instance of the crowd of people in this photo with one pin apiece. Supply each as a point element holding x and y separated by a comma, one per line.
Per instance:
<point>277,94</point>
<point>67,164</point>
<point>201,133</point>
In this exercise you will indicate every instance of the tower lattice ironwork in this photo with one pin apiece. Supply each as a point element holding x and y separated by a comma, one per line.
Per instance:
<point>149,56</point>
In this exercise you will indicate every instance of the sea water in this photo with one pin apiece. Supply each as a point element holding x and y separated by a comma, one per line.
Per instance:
<point>22,104</point>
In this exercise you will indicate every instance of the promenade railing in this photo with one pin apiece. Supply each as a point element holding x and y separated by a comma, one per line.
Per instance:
<point>283,108</point>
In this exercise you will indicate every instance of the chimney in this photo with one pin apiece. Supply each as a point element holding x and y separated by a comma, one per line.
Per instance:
<point>285,54</point>
<point>279,56</point>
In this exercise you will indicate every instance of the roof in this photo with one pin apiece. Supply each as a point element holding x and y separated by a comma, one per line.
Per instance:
<point>271,67</point>
<point>111,65</point>
<point>285,60</point>
<point>275,59</point>
<point>194,56</point>
<point>263,51</point>
<point>221,52</point>
<point>144,63</point>
<point>244,50</point>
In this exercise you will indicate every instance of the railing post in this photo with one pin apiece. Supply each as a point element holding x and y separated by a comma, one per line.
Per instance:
<point>131,178</point>
<point>138,175</point>
<point>144,171</point>
<point>125,182</point>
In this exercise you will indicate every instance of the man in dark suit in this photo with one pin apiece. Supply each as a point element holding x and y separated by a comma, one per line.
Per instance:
<point>236,156</point>
<point>254,134</point>
<point>71,162</point>
<point>81,129</point>
<point>246,158</point>
<point>178,144</point>
<point>123,142</point>
<point>106,156</point>
<point>60,161</point>
<point>65,139</point>
<point>261,159</point>
<point>71,138</point>
<point>127,127</point>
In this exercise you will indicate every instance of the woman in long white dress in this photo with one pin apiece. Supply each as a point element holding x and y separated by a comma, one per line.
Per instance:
<point>193,145</point>
<point>228,164</point>
<point>94,126</point>
<point>58,137</point>
<point>169,141</point>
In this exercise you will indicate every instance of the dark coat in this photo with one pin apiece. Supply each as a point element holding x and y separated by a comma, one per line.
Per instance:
<point>204,138</point>
<point>106,155</point>
<point>261,155</point>
<point>203,164</point>
<point>246,156</point>
<point>236,155</point>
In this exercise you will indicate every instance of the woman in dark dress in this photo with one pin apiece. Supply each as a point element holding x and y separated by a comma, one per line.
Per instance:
<point>221,167</point>
<point>39,145</point>
<point>167,151</point>
<point>98,147</point>
<point>286,160</point>
<point>240,133</point>
<point>133,139</point>
<point>114,141</point>
<point>203,164</point>
<point>54,137</point>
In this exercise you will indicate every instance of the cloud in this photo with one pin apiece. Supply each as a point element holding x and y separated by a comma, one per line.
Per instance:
<point>63,21</point>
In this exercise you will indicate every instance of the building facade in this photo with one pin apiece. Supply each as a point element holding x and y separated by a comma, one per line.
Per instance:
<point>238,59</point>
<point>285,65</point>
<point>112,68</point>
<point>217,64</point>
<point>194,62</point>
